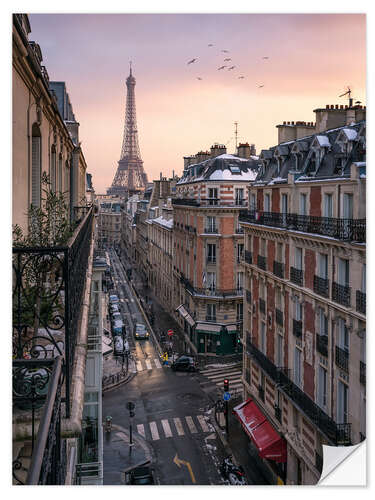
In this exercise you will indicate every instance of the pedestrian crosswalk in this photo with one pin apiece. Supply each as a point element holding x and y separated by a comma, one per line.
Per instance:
<point>174,427</point>
<point>217,373</point>
<point>147,364</point>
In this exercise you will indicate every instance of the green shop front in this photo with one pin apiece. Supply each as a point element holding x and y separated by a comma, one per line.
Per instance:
<point>213,338</point>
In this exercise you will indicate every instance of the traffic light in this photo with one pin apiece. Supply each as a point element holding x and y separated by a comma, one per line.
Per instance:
<point>226,385</point>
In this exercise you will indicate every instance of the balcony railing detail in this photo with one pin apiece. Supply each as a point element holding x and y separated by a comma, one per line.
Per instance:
<point>262,306</point>
<point>336,433</point>
<point>296,276</point>
<point>211,230</point>
<point>248,257</point>
<point>278,269</point>
<point>279,317</point>
<point>341,294</point>
<point>297,328</point>
<point>211,291</point>
<point>209,202</point>
<point>48,285</point>
<point>362,372</point>
<point>322,344</point>
<point>341,229</point>
<point>342,358</point>
<point>262,262</point>
<point>361,302</point>
<point>321,286</point>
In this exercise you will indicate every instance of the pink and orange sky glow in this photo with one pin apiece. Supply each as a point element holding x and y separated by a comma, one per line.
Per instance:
<point>312,59</point>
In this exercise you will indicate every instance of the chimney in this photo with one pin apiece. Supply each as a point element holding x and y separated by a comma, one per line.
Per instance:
<point>217,150</point>
<point>286,132</point>
<point>243,150</point>
<point>252,150</point>
<point>332,116</point>
<point>202,156</point>
<point>188,160</point>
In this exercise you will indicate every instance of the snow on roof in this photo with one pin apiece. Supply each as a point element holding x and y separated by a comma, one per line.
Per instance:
<point>164,222</point>
<point>359,163</point>
<point>350,133</point>
<point>227,156</point>
<point>221,175</point>
<point>323,140</point>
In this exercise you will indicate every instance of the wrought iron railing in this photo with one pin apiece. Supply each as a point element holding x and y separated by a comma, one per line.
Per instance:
<point>279,317</point>
<point>361,301</point>
<point>278,269</point>
<point>209,202</point>
<point>342,358</point>
<point>210,290</point>
<point>211,260</point>
<point>48,284</point>
<point>342,229</point>
<point>336,433</point>
<point>321,286</point>
<point>362,372</point>
<point>322,344</point>
<point>248,257</point>
<point>262,262</point>
<point>341,294</point>
<point>211,230</point>
<point>296,276</point>
<point>297,328</point>
<point>262,306</point>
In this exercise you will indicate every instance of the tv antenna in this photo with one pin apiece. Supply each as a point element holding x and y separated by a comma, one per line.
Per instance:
<point>348,93</point>
<point>236,134</point>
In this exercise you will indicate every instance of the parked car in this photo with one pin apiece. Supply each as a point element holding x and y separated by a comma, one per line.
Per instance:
<point>114,308</point>
<point>141,332</point>
<point>118,348</point>
<point>113,299</point>
<point>184,364</point>
<point>116,316</point>
<point>117,327</point>
<point>140,475</point>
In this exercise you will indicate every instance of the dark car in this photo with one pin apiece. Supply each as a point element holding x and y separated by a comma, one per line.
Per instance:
<point>184,364</point>
<point>140,475</point>
<point>140,332</point>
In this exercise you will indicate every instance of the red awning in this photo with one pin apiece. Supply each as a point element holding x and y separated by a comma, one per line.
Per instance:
<point>261,432</point>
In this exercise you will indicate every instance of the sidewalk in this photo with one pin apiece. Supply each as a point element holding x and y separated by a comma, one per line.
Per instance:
<point>120,457</point>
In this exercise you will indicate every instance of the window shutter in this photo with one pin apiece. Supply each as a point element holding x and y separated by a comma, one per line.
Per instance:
<point>35,171</point>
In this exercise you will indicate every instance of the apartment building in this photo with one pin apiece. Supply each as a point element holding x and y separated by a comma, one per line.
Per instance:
<point>109,219</point>
<point>304,361</point>
<point>207,249</point>
<point>128,227</point>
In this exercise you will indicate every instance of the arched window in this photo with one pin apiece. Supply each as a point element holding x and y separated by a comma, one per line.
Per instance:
<point>53,169</point>
<point>59,175</point>
<point>36,166</point>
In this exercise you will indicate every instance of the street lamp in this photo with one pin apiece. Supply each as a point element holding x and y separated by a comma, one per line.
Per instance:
<point>130,406</point>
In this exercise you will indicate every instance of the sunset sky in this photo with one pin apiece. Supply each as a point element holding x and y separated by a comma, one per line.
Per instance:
<point>312,59</point>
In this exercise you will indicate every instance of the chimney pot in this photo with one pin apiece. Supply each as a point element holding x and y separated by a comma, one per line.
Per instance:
<point>292,123</point>
<point>288,123</point>
<point>284,123</point>
<point>337,106</point>
<point>327,106</point>
<point>332,106</point>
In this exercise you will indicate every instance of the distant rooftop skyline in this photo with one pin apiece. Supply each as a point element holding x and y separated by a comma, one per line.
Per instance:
<point>291,64</point>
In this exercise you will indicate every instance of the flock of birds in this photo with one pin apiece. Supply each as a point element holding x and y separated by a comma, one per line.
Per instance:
<point>229,67</point>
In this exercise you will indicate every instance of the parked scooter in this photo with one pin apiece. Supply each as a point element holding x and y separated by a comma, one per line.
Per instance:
<point>108,423</point>
<point>233,473</point>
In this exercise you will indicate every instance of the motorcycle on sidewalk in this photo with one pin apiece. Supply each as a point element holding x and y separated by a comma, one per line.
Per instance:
<point>232,473</point>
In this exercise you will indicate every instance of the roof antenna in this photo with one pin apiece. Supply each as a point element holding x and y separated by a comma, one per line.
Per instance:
<point>236,135</point>
<point>348,93</point>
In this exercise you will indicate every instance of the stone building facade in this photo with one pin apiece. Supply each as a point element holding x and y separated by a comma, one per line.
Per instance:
<point>304,360</point>
<point>109,219</point>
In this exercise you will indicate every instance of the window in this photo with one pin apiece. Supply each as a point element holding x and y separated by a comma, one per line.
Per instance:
<point>211,281</point>
<point>211,252</point>
<point>279,349</point>
<point>342,402</point>
<point>212,196</point>
<point>278,301</point>
<point>239,308</point>
<point>53,169</point>
<point>239,196</point>
<point>211,312</point>
<point>297,366</point>
<point>303,204</point>
<point>328,205</point>
<point>211,225</point>
<point>323,266</point>
<point>263,337</point>
<point>239,281</point>
<point>235,169</point>
<point>279,252</point>
<point>240,248</point>
<point>347,208</point>
<point>343,335</point>
<point>267,203</point>
<point>322,387</point>
<point>343,272</point>
<point>36,166</point>
<point>298,311</point>
<point>323,322</point>
<point>298,258</point>
<point>284,203</point>
<point>253,204</point>
<point>59,175</point>
<point>263,247</point>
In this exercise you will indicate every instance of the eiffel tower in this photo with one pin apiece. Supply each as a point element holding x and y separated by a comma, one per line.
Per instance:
<point>130,176</point>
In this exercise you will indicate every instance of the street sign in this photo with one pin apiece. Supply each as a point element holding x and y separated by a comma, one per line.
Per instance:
<point>226,396</point>
<point>170,333</point>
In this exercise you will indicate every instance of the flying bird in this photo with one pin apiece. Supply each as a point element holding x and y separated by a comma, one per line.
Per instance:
<point>265,57</point>
<point>192,61</point>
<point>199,78</point>
<point>241,77</point>
<point>232,67</point>
<point>227,59</point>
<point>260,86</point>
<point>221,67</point>
<point>225,51</point>
<point>210,45</point>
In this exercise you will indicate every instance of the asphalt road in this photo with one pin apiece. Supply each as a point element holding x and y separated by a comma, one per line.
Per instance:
<point>170,409</point>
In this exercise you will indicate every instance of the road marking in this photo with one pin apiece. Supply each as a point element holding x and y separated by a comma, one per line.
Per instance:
<point>141,430</point>
<point>178,425</point>
<point>157,363</point>
<point>148,364</point>
<point>191,425</point>
<point>132,300</point>
<point>178,462</point>
<point>139,366</point>
<point>154,431</point>
<point>166,428</point>
<point>203,424</point>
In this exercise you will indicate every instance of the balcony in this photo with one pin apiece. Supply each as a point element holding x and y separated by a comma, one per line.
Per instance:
<point>321,286</point>
<point>278,269</point>
<point>362,372</point>
<point>248,257</point>
<point>278,413</point>
<point>322,344</point>
<point>208,202</point>
<point>296,276</point>
<point>262,262</point>
<point>360,302</point>
<point>211,318</point>
<point>211,260</point>
<point>262,306</point>
<point>337,434</point>
<point>279,317</point>
<point>341,229</point>
<point>211,230</point>
<point>297,328</point>
<point>210,291</point>
<point>342,359</point>
<point>341,294</point>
